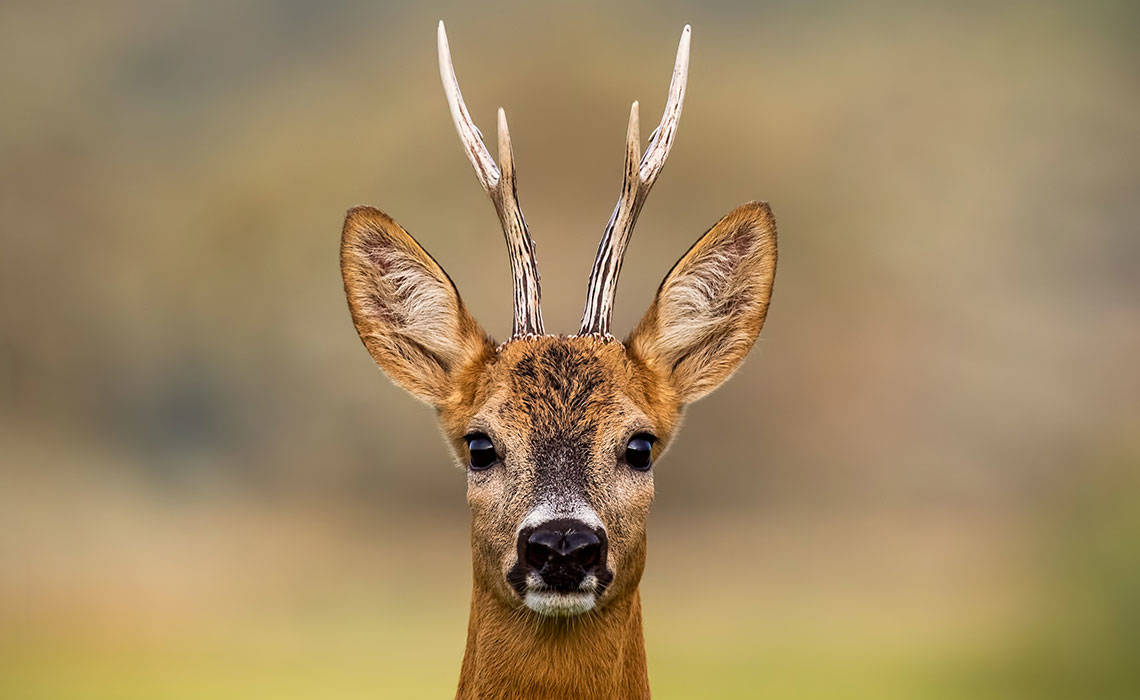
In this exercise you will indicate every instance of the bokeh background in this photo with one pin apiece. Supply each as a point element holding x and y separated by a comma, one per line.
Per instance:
<point>924,482</point>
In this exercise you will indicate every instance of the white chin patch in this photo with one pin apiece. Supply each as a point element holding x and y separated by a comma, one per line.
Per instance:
<point>555,604</point>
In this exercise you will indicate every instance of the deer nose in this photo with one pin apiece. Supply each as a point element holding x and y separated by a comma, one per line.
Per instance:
<point>562,552</point>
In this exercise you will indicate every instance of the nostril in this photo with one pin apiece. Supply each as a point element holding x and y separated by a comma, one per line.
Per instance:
<point>582,547</point>
<point>587,556</point>
<point>542,546</point>
<point>537,555</point>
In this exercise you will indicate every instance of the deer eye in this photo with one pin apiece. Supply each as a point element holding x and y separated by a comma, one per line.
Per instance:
<point>481,452</point>
<point>639,451</point>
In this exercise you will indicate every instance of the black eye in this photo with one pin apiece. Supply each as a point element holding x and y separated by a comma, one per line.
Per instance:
<point>639,451</point>
<point>481,452</point>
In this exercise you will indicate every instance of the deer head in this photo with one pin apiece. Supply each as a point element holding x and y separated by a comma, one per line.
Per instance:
<point>558,435</point>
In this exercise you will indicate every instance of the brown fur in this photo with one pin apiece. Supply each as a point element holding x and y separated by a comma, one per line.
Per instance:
<point>560,410</point>
<point>510,655</point>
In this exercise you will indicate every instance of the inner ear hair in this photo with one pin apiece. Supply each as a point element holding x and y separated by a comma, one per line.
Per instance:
<point>712,304</point>
<point>405,307</point>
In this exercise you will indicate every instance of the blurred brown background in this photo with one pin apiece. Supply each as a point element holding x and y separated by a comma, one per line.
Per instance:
<point>922,484</point>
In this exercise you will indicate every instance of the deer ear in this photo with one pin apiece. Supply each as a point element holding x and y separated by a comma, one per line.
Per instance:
<point>711,305</point>
<point>405,307</point>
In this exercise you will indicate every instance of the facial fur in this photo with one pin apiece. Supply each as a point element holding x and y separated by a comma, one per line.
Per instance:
<point>560,411</point>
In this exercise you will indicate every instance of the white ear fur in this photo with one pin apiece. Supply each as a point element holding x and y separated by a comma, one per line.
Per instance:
<point>404,306</point>
<point>712,304</point>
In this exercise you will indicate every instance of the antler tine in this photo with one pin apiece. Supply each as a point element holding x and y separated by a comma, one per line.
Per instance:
<point>524,265</point>
<point>500,185</point>
<point>641,172</point>
<point>469,135</point>
<point>661,141</point>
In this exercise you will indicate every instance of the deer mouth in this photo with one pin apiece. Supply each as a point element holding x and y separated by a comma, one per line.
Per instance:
<point>554,598</point>
<point>555,604</point>
<point>558,602</point>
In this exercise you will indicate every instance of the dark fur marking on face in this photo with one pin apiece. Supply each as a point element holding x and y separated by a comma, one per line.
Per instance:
<point>561,387</point>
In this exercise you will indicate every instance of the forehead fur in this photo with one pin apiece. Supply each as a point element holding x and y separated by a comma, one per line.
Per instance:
<point>543,380</point>
<point>552,378</point>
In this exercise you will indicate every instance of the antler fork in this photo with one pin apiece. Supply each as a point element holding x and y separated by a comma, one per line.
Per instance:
<point>500,186</point>
<point>640,174</point>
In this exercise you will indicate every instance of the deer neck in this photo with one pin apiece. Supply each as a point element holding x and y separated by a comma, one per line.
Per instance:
<point>515,654</point>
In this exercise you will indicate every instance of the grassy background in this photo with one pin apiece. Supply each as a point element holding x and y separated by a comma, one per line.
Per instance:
<point>923,483</point>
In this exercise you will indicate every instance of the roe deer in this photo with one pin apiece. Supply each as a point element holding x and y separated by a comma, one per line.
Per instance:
<point>558,434</point>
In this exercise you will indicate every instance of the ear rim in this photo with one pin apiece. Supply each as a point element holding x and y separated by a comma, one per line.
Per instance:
<point>472,344</point>
<point>644,341</point>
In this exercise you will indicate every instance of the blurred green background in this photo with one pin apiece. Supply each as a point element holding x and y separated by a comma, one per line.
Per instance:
<point>924,482</point>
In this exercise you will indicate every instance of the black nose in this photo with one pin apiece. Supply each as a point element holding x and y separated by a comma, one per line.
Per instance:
<point>563,552</point>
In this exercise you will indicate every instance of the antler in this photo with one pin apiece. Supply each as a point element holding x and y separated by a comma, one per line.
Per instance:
<point>500,186</point>
<point>640,174</point>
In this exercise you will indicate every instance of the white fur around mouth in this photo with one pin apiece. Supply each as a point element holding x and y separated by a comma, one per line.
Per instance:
<point>555,604</point>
